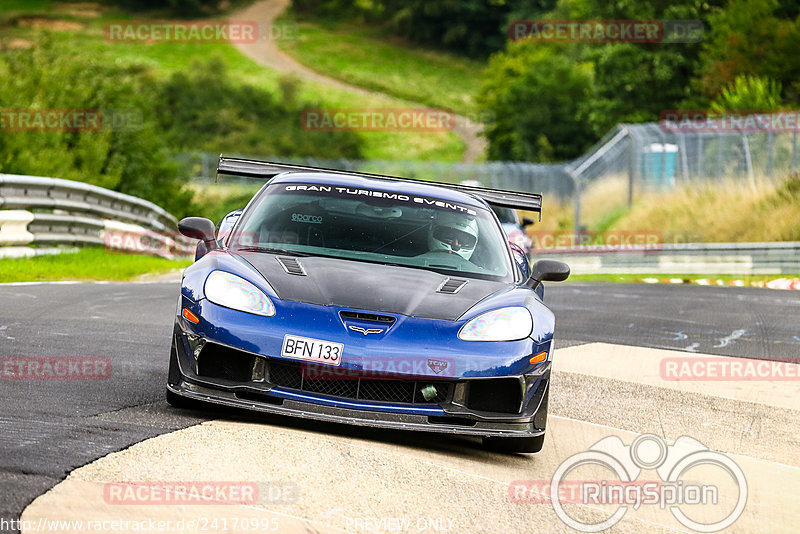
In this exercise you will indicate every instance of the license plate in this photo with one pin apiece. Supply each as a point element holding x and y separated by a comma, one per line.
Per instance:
<point>315,350</point>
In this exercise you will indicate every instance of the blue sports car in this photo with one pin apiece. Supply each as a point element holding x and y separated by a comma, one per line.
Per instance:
<point>370,300</point>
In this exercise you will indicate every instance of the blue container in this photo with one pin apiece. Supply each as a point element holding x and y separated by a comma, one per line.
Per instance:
<point>658,165</point>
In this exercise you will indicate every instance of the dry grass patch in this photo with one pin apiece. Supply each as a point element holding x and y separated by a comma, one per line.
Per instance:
<point>722,212</point>
<point>86,10</point>
<point>45,23</point>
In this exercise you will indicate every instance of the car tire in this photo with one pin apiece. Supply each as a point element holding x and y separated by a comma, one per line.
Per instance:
<point>510,445</point>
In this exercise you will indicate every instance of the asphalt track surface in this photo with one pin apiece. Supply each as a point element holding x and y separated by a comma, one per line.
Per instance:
<point>49,428</point>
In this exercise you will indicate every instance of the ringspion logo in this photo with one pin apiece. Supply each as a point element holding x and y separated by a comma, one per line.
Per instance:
<point>676,466</point>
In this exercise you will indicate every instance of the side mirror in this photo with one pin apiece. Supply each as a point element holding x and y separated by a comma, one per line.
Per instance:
<point>527,221</point>
<point>199,228</point>
<point>548,271</point>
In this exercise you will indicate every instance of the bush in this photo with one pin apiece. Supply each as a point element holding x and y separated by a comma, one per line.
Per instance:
<point>180,8</point>
<point>204,109</point>
<point>130,159</point>
<point>473,28</point>
<point>539,101</point>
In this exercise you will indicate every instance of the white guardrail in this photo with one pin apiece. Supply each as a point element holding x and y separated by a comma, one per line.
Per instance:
<point>686,258</point>
<point>52,211</point>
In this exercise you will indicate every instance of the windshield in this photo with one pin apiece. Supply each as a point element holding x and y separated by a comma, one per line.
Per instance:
<point>375,226</point>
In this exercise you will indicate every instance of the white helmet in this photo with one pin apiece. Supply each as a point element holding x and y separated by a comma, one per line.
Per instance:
<point>454,232</point>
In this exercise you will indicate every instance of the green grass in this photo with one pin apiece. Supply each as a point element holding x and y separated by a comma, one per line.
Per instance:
<point>758,279</point>
<point>365,56</point>
<point>86,264</point>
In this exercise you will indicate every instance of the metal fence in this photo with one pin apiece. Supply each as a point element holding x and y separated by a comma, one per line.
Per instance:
<point>647,157</point>
<point>52,211</point>
<point>515,176</point>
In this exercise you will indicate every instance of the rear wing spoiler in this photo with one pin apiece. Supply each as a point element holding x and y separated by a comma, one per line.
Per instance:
<point>247,168</point>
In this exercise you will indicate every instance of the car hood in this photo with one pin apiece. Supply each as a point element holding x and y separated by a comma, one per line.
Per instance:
<point>371,286</point>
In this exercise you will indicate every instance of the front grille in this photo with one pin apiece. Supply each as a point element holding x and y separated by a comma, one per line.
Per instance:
<point>388,390</point>
<point>335,388</point>
<point>329,381</point>
<point>285,376</point>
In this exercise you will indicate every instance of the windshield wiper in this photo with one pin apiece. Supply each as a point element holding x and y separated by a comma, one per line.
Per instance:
<point>270,250</point>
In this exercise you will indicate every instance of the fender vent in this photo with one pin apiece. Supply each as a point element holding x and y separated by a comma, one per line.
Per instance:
<point>452,285</point>
<point>292,266</point>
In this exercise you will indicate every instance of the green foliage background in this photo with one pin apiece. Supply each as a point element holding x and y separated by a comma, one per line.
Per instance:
<point>551,101</point>
<point>201,108</point>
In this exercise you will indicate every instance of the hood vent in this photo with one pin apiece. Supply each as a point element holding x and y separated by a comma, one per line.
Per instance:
<point>292,266</point>
<point>368,317</point>
<point>452,286</point>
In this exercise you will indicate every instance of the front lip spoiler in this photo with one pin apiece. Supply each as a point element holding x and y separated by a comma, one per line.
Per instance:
<point>307,410</point>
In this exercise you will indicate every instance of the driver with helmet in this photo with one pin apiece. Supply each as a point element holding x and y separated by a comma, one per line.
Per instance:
<point>453,233</point>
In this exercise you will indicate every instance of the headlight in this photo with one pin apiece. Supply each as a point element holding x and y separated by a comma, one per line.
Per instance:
<point>235,292</point>
<point>505,324</point>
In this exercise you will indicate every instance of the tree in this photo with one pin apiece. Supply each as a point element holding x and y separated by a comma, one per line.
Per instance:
<point>636,83</point>
<point>749,93</point>
<point>469,27</point>
<point>539,101</point>
<point>748,37</point>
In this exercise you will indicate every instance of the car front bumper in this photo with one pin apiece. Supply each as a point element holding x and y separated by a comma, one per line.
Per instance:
<point>355,416</point>
<point>450,414</point>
